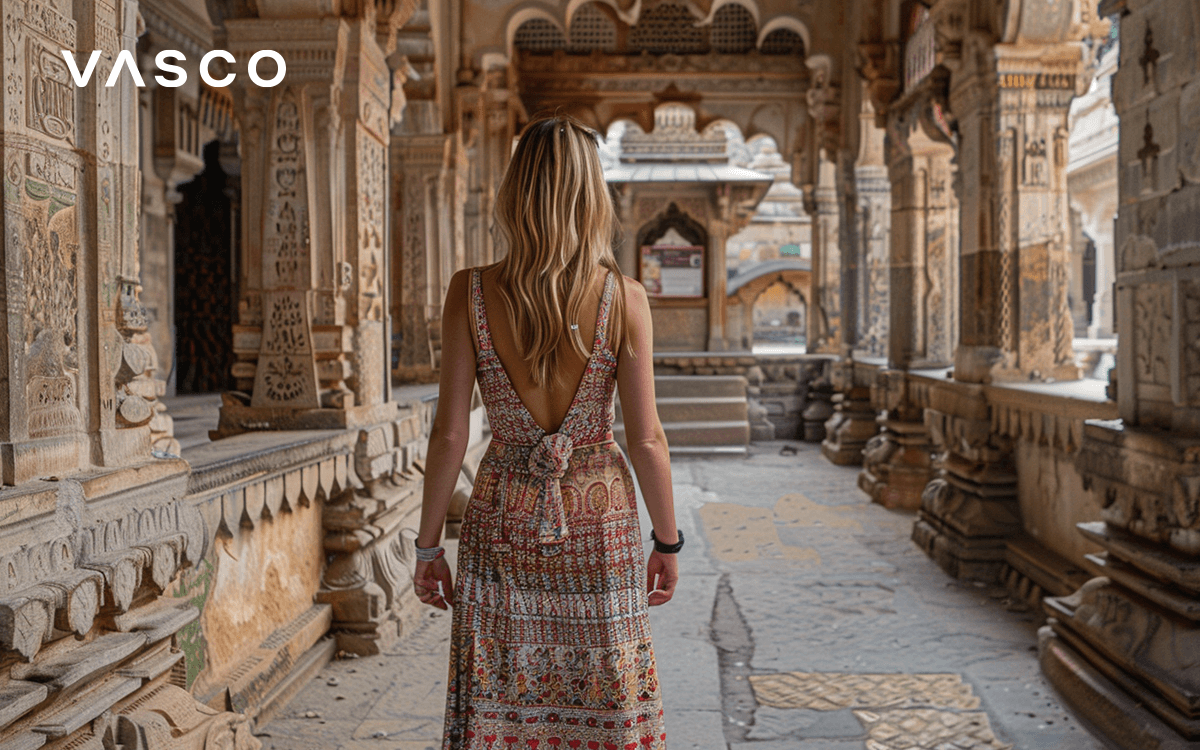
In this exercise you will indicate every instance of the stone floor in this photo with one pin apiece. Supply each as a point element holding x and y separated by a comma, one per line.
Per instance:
<point>806,620</point>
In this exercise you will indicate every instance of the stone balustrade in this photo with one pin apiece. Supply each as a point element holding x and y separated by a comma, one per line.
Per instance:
<point>995,472</point>
<point>217,576</point>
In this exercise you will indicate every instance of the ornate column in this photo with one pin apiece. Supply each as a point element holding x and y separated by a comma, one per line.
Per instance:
<point>1011,101</point>
<point>1123,648</point>
<point>1010,93</point>
<point>419,168</point>
<point>825,315</point>
<point>919,269</point>
<point>310,334</point>
<point>874,209</point>
<point>853,422</point>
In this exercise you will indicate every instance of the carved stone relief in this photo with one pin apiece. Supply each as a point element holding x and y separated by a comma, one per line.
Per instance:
<point>50,99</point>
<point>49,237</point>
<point>371,155</point>
<point>1189,297</point>
<point>286,233</point>
<point>286,374</point>
<point>1152,333</point>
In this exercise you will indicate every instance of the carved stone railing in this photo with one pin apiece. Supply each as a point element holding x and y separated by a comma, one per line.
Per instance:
<point>1007,493</point>
<point>89,643</point>
<point>124,594</point>
<point>348,494</point>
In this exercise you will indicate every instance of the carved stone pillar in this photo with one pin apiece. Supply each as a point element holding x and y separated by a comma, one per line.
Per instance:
<point>898,462</point>
<point>310,338</point>
<point>419,236</point>
<point>825,318</point>
<point>488,121</point>
<point>1011,101</point>
<point>874,208</point>
<point>80,389</point>
<point>853,421</point>
<point>922,267</point>
<point>1010,92</point>
<point>1123,649</point>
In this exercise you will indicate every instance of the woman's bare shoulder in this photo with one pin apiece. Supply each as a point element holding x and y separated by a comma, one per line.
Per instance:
<point>635,295</point>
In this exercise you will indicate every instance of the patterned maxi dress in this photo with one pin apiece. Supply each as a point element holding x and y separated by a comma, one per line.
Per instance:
<point>551,639</point>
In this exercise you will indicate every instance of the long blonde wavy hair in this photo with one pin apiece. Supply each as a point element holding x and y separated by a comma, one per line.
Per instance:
<point>555,216</point>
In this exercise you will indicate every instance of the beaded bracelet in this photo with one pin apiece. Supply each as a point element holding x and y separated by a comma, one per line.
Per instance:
<point>429,554</point>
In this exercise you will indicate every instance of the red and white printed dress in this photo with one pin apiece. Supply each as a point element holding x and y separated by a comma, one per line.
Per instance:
<point>550,648</point>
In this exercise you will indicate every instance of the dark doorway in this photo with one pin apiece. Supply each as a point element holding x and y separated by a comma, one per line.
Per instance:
<point>204,281</point>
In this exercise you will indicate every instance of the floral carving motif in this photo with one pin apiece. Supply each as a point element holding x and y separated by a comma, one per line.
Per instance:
<point>284,379</point>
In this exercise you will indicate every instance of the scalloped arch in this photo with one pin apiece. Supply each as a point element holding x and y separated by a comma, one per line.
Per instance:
<point>749,5</point>
<point>525,13</point>
<point>786,22</point>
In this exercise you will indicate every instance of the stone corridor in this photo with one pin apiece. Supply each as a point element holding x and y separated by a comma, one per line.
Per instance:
<point>806,620</point>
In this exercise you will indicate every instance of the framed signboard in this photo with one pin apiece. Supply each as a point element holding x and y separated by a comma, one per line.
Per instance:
<point>673,270</point>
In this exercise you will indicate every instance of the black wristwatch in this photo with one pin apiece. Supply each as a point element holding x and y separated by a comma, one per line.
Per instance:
<point>667,549</point>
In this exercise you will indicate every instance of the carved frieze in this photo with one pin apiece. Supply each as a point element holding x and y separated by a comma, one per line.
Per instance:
<point>89,557</point>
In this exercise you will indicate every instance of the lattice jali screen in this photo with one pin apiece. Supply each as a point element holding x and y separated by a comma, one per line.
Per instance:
<point>539,35</point>
<point>591,30</point>
<point>733,29</point>
<point>669,28</point>
<point>783,42</point>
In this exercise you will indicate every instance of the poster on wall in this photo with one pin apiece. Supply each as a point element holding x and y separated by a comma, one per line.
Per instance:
<point>673,270</point>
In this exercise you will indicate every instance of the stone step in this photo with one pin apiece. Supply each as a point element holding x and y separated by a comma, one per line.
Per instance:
<point>698,386</point>
<point>694,434</point>
<point>702,415</point>
<point>697,408</point>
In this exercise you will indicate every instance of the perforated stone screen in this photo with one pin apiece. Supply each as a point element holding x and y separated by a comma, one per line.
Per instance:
<point>669,28</point>
<point>591,30</point>
<point>783,42</point>
<point>733,29</point>
<point>539,35</point>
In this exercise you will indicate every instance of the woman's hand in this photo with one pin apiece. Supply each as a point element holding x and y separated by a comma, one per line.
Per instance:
<point>666,568</point>
<point>426,578</point>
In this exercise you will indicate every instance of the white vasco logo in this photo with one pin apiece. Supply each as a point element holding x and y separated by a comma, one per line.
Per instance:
<point>164,59</point>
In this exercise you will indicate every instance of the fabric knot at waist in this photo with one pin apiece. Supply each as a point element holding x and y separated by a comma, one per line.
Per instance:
<point>548,463</point>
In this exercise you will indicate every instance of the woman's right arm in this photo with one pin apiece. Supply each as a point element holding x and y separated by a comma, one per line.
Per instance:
<point>645,439</point>
<point>448,436</point>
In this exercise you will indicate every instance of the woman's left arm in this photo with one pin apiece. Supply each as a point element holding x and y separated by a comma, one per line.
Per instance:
<point>447,438</point>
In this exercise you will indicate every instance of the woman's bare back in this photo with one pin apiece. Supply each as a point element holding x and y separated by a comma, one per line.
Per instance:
<point>547,406</point>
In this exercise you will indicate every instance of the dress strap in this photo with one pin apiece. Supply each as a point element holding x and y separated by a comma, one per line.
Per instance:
<point>483,336</point>
<point>610,284</point>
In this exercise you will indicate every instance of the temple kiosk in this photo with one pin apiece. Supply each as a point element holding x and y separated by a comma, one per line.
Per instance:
<point>679,200</point>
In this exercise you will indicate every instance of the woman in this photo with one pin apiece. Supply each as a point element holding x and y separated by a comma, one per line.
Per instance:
<point>551,639</point>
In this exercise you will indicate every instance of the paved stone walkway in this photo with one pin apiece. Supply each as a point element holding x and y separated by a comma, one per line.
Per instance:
<point>806,620</point>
